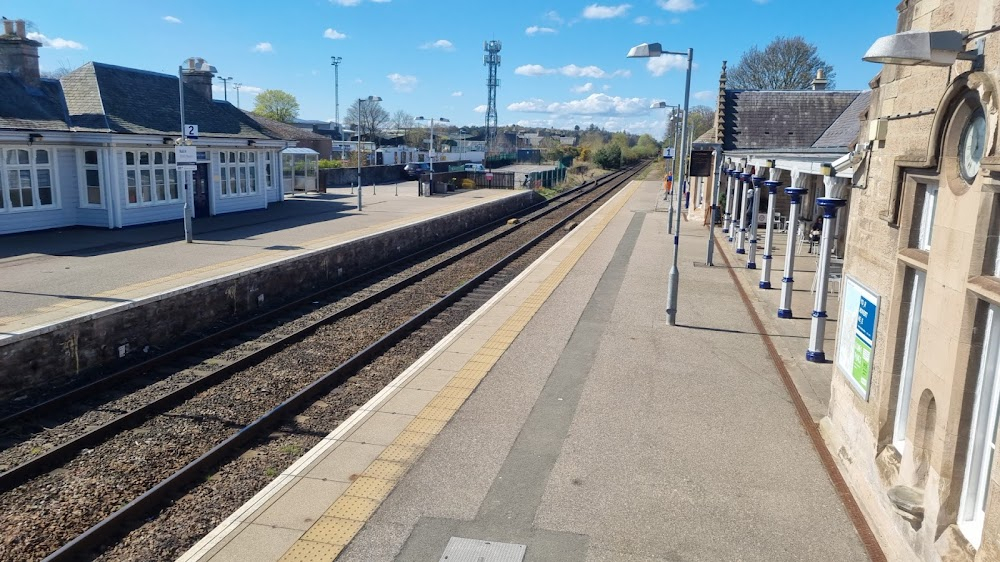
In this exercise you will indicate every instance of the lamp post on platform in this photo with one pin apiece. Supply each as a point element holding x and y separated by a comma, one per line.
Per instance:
<point>369,99</point>
<point>652,50</point>
<point>430,153</point>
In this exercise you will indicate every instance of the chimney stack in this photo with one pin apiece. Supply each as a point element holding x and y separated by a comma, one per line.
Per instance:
<point>198,76</point>
<point>820,82</point>
<point>18,54</point>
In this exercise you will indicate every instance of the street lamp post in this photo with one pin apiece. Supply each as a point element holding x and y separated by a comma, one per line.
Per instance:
<point>370,99</point>
<point>237,86</point>
<point>225,87</point>
<point>335,61</point>
<point>647,50</point>
<point>430,153</point>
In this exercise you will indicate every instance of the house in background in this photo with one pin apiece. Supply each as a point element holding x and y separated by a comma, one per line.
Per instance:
<point>96,148</point>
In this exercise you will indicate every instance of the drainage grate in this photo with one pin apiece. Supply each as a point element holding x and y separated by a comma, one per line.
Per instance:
<point>474,550</point>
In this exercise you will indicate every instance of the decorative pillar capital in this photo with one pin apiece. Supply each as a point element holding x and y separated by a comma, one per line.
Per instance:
<point>796,193</point>
<point>830,206</point>
<point>835,187</point>
<point>757,181</point>
<point>772,186</point>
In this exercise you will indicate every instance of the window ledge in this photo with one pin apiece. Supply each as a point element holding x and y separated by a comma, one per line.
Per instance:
<point>986,287</point>
<point>914,257</point>
<point>909,504</point>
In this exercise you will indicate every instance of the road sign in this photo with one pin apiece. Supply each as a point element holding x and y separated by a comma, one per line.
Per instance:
<point>187,157</point>
<point>489,176</point>
<point>668,152</point>
<point>191,131</point>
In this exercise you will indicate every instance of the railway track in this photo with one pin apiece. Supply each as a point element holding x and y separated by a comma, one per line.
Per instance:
<point>251,387</point>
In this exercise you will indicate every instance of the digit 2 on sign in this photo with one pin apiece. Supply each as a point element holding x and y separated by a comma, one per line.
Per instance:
<point>191,131</point>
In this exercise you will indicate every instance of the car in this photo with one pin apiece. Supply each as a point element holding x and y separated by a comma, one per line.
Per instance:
<point>473,167</point>
<point>416,169</point>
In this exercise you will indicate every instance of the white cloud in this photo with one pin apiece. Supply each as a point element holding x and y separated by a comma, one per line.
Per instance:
<point>57,43</point>
<point>535,30</point>
<point>332,33</point>
<point>761,1</point>
<point>582,89</point>
<point>456,94</point>
<point>598,12</point>
<point>263,47</point>
<point>704,95</point>
<point>251,89</point>
<point>594,104</point>
<point>171,19</point>
<point>442,44</point>
<point>402,82</point>
<point>606,87</point>
<point>479,109</point>
<point>533,70</point>
<point>346,2</point>
<point>641,20</point>
<point>553,15</point>
<point>677,5</point>
<point>571,70</point>
<point>533,105</point>
<point>660,65</point>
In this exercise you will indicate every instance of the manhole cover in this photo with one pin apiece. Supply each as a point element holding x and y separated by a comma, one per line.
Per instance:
<point>474,550</point>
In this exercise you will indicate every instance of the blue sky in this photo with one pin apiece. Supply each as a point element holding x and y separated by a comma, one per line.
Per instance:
<point>563,62</point>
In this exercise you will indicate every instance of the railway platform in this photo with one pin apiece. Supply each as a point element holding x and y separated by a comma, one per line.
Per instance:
<point>565,420</point>
<point>52,276</point>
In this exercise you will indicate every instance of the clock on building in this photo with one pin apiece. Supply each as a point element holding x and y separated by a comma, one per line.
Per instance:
<point>971,145</point>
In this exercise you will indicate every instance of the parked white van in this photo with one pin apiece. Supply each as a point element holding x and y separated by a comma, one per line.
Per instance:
<point>471,167</point>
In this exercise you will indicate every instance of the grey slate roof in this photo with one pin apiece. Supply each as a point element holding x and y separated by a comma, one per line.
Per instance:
<point>772,119</point>
<point>844,131</point>
<point>106,98</point>
<point>28,108</point>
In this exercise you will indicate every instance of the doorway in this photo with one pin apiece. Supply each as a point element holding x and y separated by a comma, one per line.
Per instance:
<point>201,191</point>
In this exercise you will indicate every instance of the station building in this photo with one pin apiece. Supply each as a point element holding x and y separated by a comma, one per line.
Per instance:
<point>917,442</point>
<point>96,147</point>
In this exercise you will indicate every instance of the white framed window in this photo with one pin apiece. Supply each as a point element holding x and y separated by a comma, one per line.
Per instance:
<point>927,217</point>
<point>910,345</point>
<point>237,173</point>
<point>91,179</point>
<point>268,181</point>
<point>982,435</point>
<point>27,179</point>
<point>151,177</point>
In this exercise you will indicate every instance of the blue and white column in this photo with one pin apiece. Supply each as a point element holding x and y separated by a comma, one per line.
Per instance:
<point>785,308</point>
<point>772,190</point>
<point>818,329</point>
<point>741,236</point>
<point>731,194</point>
<point>725,212</point>
<point>758,183</point>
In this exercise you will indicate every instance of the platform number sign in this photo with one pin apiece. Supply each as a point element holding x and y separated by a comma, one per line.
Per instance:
<point>191,131</point>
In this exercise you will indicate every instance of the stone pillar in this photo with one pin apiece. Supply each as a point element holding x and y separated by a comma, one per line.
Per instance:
<point>758,184</point>
<point>772,190</point>
<point>785,308</point>
<point>818,329</point>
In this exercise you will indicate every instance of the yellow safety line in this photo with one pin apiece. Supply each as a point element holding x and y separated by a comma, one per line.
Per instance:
<point>332,532</point>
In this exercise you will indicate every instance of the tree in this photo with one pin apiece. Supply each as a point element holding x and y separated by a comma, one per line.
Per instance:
<point>701,119</point>
<point>402,121</point>
<point>609,157</point>
<point>785,64</point>
<point>371,120</point>
<point>276,104</point>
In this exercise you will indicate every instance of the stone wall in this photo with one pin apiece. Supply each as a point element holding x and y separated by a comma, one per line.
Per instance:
<point>55,355</point>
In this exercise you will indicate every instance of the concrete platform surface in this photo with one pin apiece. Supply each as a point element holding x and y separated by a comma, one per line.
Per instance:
<point>566,417</point>
<point>54,275</point>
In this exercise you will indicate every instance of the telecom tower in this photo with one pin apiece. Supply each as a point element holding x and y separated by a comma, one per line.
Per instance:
<point>492,60</point>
